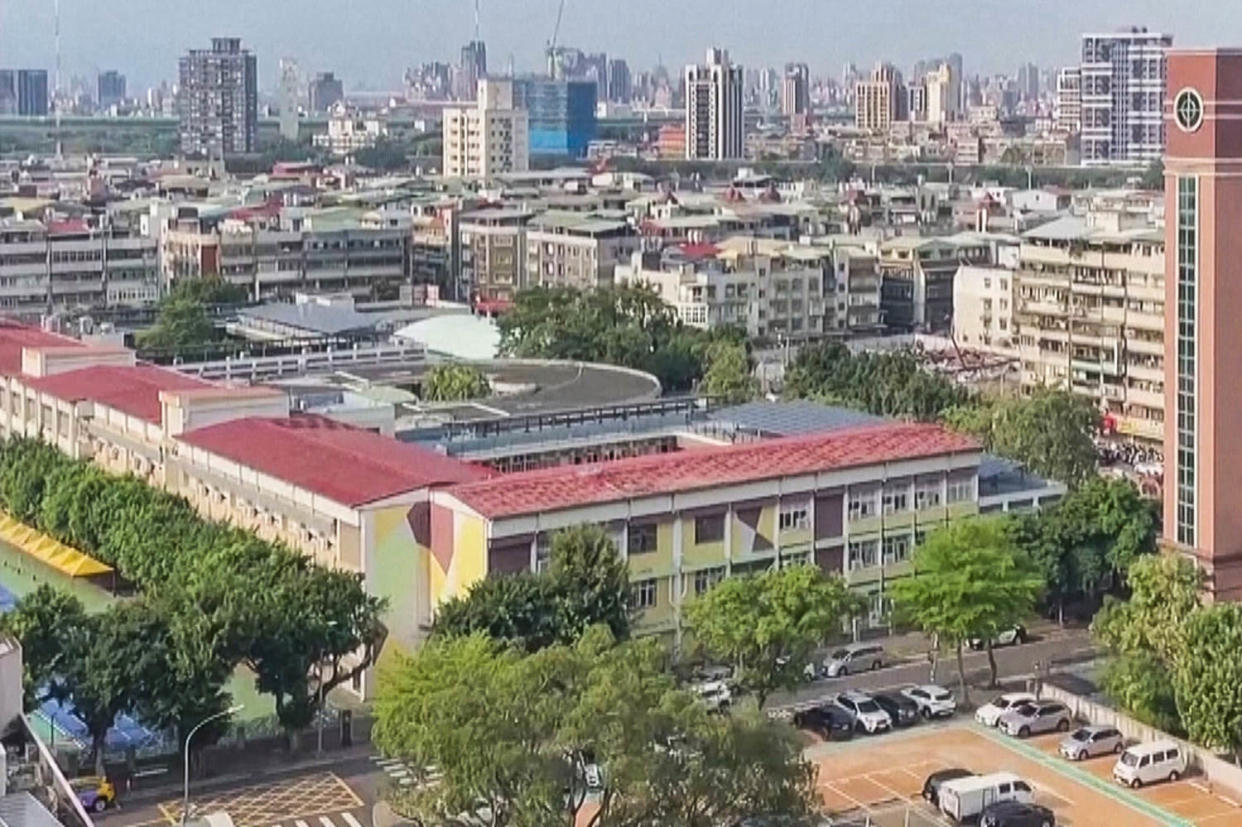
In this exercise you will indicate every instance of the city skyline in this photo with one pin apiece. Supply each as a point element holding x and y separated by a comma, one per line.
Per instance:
<point>825,34</point>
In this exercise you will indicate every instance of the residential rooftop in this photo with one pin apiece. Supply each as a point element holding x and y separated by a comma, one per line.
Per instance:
<point>131,390</point>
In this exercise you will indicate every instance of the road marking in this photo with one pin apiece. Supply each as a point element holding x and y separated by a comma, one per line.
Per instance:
<point>399,771</point>
<point>300,824</point>
<point>326,822</point>
<point>350,820</point>
<point>357,801</point>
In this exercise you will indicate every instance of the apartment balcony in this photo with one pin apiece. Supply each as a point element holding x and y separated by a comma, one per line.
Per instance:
<point>1144,346</point>
<point>1144,373</point>
<point>1148,399</point>
<point>1140,427</point>
<point>1145,321</point>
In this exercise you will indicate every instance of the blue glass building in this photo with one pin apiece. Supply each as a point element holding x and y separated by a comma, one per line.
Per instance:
<point>561,113</point>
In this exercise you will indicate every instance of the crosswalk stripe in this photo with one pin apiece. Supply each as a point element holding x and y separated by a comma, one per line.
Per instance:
<point>386,762</point>
<point>405,782</point>
<point>326,822</point>
<point>300,824</point>
<point>350,820</point>
<point>399,771</point>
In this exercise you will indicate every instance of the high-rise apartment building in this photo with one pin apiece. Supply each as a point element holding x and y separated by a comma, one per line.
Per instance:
<point>944,94</point>
<point>487,137</point>
<point>1123,97</point>
<point>1203,291</point>
<point>32,97</point>
<point>1028,81</point>
<point>714,118</point>
<point>470,70</point>
<point>111,88</point>
<point>219,100</point>
<point>620,89</point>
<point>881,100</point>
<point>325,90</point>
<point>796,90</point>
<point>1067,109</point>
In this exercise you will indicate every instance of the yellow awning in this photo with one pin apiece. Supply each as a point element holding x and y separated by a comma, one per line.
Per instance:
<point>63,558</point>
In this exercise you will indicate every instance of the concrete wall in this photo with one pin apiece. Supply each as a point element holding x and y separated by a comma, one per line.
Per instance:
<point>10,681</point>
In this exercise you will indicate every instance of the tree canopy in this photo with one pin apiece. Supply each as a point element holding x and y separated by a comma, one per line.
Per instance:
<point>662,757</point>
<point>1207,680</point>
<point>455,383</point>
<point>586,583</point>
<point>627,326</point>
<point>1051,432</point>
<point>970,581</point>
<point>182,321</point>
<point>728,375</point>
<point>768,625</point>
<point>886,384</point>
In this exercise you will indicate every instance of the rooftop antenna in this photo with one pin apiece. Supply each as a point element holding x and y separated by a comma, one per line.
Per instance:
<point>56,90</point>
<point>476,20</point>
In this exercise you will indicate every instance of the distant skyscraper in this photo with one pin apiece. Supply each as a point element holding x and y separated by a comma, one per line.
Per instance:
<point>881,100</point>
<point>219,100</point>
<point>796,90</point>
<point>943,94</point>
<point>1028,81</point>
<point>1123,97</point>
<point>291,85</point>
<point>1067,109</point>
<point>8,92</point>
<point>470,70</point>
<point>111,88</point>
<point>619,90</point>
<point>714,117</point>
<point>32,98</point>
<point>325,90</point>
<point>959,72</point>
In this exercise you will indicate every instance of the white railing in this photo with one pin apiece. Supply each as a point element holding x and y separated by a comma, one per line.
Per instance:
<point>257,368</point>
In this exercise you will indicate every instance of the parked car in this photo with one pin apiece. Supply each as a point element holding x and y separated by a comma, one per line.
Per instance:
<point>966,798</point>
<point>864,712</point>
<point>1007,637</point>
<point>96,794</point>
<point>933,701</point>
<point>827,721</point>
<point>716,694</point>
<point>902,710</point>
<point>931,787</point>
<point>990,713</point>
<point>856,657</point>
<point>1090,741</point>
<point>1017,814</point>
<point>1036,717</point>
<point>1148,763</point>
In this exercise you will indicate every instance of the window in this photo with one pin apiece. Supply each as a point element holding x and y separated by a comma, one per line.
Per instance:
<point>795,517</point>
<point>543,552</point>
<point>862,503</point>
<point>642,539</point>
<point>896,548</point>
<point>863,554</point>
<point>1187,366</point>
<point>643,594</point>
<point>797,558</point>
<point>706,578</point>
<point>896,498</point>
<point>927,494</point>
<point>709,528</point>
<point>961,489</point>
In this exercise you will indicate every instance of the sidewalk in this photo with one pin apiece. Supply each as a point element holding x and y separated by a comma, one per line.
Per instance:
<point>916,645</point>
<point>170,785</point>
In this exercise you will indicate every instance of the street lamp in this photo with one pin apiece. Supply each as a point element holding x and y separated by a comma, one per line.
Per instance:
<point>185,796</point>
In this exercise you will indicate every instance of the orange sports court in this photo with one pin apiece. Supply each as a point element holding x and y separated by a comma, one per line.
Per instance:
<point>879,781</point>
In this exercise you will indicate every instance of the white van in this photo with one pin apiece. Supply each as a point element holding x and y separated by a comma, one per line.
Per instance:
<point>854,658</point>
<point>964,798</point>
<point>1148,763</point>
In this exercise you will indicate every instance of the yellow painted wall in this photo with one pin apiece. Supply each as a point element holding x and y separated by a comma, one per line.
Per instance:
<point>696,555</point>
<point>469,556</point>
<point>742,550</point>
<point>662,616</point>
<point>655,563</point>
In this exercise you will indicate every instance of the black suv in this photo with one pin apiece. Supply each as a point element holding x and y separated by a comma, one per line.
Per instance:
<point>901,709</point>
<point>826,721</point>
<point>1017,814</point>
<point>931,787</point>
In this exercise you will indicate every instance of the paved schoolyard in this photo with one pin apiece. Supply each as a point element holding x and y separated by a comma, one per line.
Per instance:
<point>882,778</point>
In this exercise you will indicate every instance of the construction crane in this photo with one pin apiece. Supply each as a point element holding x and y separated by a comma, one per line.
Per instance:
<point>553,56</point>
<point>476,20</point>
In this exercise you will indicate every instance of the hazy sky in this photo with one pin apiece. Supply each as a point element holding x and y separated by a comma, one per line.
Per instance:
<point>370,42</point>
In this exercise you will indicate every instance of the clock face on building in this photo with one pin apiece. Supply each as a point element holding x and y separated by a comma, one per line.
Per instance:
<point>1188,110</point>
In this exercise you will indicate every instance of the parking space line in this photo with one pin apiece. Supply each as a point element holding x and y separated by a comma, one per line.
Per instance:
<point>846,796</point>
<point>900,796</point>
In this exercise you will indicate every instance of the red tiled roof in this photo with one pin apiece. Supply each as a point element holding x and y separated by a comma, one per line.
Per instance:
<point>132,390</point>
<point>343,463</point>
<point>15,336</point>
<point>565,487</point>
<point>69,226</point>
<point>697,251</point>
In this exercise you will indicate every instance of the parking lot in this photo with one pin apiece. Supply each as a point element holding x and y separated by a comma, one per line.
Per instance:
<point>881,779</point>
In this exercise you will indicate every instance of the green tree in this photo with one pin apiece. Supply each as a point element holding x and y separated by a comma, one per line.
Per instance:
<point>1086,544</point>
<point>1145,635</point>
<point>664,758</point>
<point>45,622</point>
<point>1208,677</point>
<point>970,581</point>
<point>728,375</point>
<point>1051,432</point>
<point>887,384</point>
<point>454,383</point>
<point>587,583</point>
<point>183,321</point>
<point>768,625</point>
<point>1153,177</point>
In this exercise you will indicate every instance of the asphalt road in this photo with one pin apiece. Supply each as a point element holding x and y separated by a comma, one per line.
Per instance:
<point>1011,662</point>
